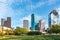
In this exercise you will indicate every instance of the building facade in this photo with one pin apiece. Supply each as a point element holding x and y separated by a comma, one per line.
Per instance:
<point>42,25</point>
<point>33,21</point>
<point>37,27</point>
<point>53,18</point>
<point>9,22</point>
<point>25,24</point>
<point>2,22</point>
<point>6,23</point>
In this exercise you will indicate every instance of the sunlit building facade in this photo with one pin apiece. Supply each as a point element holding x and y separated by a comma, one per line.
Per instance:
<point>53,18</point>
<point>25,24</point>
<point>42,25</point>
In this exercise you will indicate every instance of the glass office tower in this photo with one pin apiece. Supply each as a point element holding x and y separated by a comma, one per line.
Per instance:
<point>53,18</point>
<point>33,21</point>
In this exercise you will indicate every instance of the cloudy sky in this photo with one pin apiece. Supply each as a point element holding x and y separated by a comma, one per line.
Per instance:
<point>19,10</point>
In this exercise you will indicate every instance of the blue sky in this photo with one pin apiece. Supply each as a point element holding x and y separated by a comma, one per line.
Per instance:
<point>19,10</point>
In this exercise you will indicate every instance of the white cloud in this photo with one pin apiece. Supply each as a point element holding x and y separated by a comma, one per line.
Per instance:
<point>4,8</point>
<point>58,9</point>
<point>25,18</point>
<point>39,4</point>
<point>46,26</point>
<point>31,6</point>
<point>39,17</point>
<point>50,2</point>
<point>4,1</point>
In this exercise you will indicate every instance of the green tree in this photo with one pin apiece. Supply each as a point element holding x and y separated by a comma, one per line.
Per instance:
<point>34,33</point>
<point>55,29</point>
<point>19,31</point>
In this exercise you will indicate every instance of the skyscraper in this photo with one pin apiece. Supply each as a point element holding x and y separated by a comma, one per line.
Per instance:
<point>42,25</point>
<point>53,18</point>
<point>33,21</point>
<point>6,23</point>
<point>37,26</point>
<point>25,24</point>
<point>2,22</point>
<point>9,22</point>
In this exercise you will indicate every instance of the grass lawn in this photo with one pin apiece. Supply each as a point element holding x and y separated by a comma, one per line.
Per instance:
<point>39,37</point>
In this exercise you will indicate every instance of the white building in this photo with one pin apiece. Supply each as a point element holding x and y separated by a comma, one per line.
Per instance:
<point>42,25</point>
<point>25,24</point>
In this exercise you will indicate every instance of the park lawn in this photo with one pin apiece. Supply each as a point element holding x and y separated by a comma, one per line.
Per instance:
<point>38,37</point>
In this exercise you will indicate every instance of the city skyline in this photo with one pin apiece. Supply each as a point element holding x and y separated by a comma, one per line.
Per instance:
<point>22,9</point>
<point>6,22</point>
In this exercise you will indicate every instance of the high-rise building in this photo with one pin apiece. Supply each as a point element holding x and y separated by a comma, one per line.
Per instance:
<point>42,25</point>
<point>53,18</point>
<point>6,23</point>
<point>33,21</point>
<point>25,24</point>
<point>37,26</point>
<point>2,22</point>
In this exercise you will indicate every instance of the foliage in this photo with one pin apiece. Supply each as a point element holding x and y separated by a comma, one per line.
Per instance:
<point>55,29</point>
<point>19,31</point>
<point>34,33</point>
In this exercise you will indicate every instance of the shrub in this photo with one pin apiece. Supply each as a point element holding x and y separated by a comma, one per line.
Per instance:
<point>19,31</point>
<point>54,29</point>
<point>34,33</point>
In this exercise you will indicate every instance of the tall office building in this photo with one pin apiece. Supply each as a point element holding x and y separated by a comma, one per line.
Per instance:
<point>9,22</point>
<point>53,18</point>
<point>42,25</point>
<point>6,23</point>
<point>33,21</point>
<point>25,24</point>
<point>37,26</point>
<point>2,22</point>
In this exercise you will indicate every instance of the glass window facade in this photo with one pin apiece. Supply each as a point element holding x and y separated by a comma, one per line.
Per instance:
<point>53,18</point>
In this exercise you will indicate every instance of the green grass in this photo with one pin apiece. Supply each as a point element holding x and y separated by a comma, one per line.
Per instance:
<point>39,37</point>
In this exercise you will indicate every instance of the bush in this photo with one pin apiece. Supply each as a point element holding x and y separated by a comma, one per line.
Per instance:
<point>34,33</point>
<point>54,29</point>
<point>19,31</point>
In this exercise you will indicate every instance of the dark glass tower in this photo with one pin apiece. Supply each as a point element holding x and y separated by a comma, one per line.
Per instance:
<point>33,22</point>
